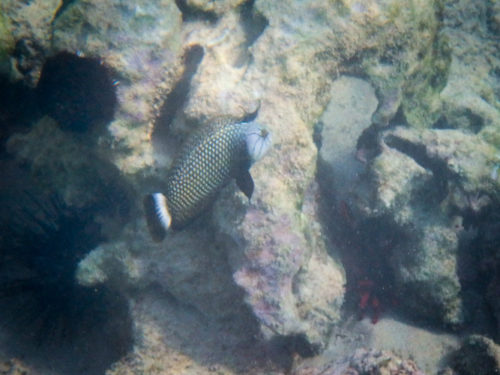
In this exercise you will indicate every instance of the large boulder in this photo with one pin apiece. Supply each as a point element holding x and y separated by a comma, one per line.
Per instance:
<point>478,355</point>
<point>425,182</point>
<point>344,120</point>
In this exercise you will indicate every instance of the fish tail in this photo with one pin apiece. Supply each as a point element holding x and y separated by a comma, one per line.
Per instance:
<point>157,215</point>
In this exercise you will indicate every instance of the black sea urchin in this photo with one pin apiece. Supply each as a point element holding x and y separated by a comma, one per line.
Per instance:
<point>78,92</point>
<point>48,318</point>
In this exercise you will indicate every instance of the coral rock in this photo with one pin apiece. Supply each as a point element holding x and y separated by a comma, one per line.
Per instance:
<point>141,43</point>
<point>451,169</point>
<point>479,356</point>
<point>364,362</point>
<point>345,118</point>
<point>30,26</point>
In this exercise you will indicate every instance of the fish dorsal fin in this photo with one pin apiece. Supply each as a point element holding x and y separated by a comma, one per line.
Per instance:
<point>245,182</point>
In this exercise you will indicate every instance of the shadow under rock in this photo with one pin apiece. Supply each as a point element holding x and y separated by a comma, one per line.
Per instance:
<point>190,13</point>
<point>164,141</point>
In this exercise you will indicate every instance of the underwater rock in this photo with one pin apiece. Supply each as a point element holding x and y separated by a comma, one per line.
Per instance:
<point>286,71</point>
<point>216,7</point>
<point>220,85</point>
<point>304,290</point>
<point>173,339</point>
<point>29,24</point>
<point>347,115</point>
<point>275,246</point>
<point>291,283</point>
<point>388,42</point>
<point>266,260</point>
<point>427,348</point>
<point>470,97</point>
<point>363,362</point>
<point>426,271</point>
<point>290,74</point>
<point>466,158</point>
<point>14,367</point>
<point>478,355</point>
<point>408,81</point>
<point>425,182</point>
<point>395,46</point>
<point>61,162</point>
<point>6,44</point>
<point>191,267</point>
<point>140,42</point>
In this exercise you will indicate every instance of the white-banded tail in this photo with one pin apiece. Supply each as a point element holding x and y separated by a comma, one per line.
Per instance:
<point>157,216</point>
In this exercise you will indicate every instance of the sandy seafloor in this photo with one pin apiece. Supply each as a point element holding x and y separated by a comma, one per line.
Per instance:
<point>370,245</point>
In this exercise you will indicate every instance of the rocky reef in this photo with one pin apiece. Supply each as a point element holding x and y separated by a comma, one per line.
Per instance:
<point>379,196</point>
<point>364,362</point>
<point>478,355</point>
<point>426,182</point>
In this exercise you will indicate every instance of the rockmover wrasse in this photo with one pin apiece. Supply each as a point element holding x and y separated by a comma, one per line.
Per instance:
<point>207,162</point>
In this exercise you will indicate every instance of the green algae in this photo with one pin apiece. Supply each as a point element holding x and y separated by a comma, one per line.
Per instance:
<point>411,78</point>
<point>421,99</point>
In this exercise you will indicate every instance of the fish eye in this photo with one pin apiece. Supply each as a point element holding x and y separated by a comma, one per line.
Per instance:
<point>264,133</point>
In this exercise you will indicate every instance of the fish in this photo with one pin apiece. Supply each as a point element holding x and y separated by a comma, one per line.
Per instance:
<point>209,160</point>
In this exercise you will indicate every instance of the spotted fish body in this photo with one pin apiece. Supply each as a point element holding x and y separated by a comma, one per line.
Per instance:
<point>206,163</point>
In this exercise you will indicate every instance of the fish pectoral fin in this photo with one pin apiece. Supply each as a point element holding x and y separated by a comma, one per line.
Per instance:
<point>245,183</point>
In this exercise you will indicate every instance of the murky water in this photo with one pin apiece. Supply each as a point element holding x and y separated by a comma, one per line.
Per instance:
<point>364,240</point>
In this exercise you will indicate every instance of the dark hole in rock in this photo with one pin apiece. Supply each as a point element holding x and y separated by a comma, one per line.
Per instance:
<point>495,72</point>
<point>492,22</point>
<point>254,25</point>
<point>475,121</point>
<point>366,248</point>
<point>178,96</point>
<point>365,245</point>
<point>386,60</point>
<point>442,123</point>
<point>176,100</point>
<point>368,146</point>
<point>192,13</point>
<point>283,348</point>
<point>78,92</point>
<point>389,103</point>
<point>317,134</point>
<point>248,117</point>
<point>467,120</point>
<point>47,318</point>
<point>399,118</point>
